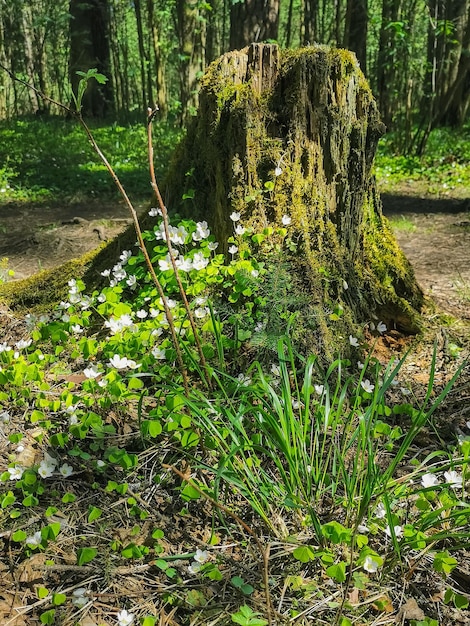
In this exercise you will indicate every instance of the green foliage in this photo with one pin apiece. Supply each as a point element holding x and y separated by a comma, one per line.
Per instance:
<point>73,171</point>
<point>442,169</point>
<point>325,448</point>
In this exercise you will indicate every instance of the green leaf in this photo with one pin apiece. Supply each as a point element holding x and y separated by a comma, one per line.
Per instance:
<point>94,513</point>
<point>48,617</point>
<point>444,563</point>
<point>19,535</point>
<point>337,571</point>
<point>59,598</point>
<point>42,592</point>
<point>68,497</point>
<point>190,493</point>
<point>304,554</point>
<point>85,555</point>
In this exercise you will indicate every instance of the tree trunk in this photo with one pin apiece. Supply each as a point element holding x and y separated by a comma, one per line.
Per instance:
<point>89,48</point>
<point>295,133</point>
<point>191,35</point>
<point>253,20</point>
<point>355,31</point>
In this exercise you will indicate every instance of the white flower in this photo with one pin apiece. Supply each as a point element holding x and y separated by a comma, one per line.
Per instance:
<point>125,618</point>
<point>105,273</point>
<point>47,467</point>
<point>91,371</point>
<point>345,285</point>
<point>235,216</point>
<point>159,353</point>
<point>201,556</point>
<point>201,312</point>
<point>277,171</point>
<point>184,264</point>
<point>370,564</point>
<point>79,597</point>
<point>19,449</point>
<point>76,329</point>
<point>380,511</point>
<point>360,365</point>
<point>363,529</point>
<point>213,245</point>
<point>275,369</point>
<point>4,416</point>
<point>131,281</point>
<point>118,272</point>
<point>200,301</point>
<point>102,298</point>
<point>165,264</point>
<point>239,230</point>
<point>255,273</point>
<point>202,231</point>
<point>121,363</point>
<point>142,314</point>
<point>453,478</point>
<point>34,540</point>
<point>199,261</point>
<point>367,386</point>
<point>125,256</point>
<point>318,389</point>
<point>66,470</point>
<point>16,472</point>
<point>194,568</point>
<point>154,212</point>
<point>116,325</point>
<point>286,220</point>
<point>397,530</point>
<point>233,249</point>
<point>171,303</point>
<point>353,341</point>
<point>429,480</point>
<point>4,347</point>
<point>23,343</point>
<point>244,380</point>
<point>381,327</point>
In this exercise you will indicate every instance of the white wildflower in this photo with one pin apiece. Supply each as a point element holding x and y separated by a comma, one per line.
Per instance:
<point>235,216</point>
<point>286,220</point>
<point>34,540</point>
<point>353,341</point>
<point>370,564</point>
<point>429,480</point>
<point>233,249</point>
<point>16,472</point>
<point>125,618</point>
<point>453,478</point>
<point>66,470</point>
<point>381,327</point>
<point>367,386</point>
<point>91,371</point>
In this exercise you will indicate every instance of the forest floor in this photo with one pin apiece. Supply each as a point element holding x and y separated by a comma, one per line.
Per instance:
<point>434,234</point>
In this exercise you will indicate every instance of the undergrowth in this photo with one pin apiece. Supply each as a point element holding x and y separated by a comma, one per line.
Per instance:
<point>160,469</point>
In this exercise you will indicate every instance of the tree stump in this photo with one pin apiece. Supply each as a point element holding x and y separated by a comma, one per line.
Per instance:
<point>295,133</point>
<point>286,133</point>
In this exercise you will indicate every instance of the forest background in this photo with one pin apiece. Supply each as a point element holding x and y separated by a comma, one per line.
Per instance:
<point>415,53</point>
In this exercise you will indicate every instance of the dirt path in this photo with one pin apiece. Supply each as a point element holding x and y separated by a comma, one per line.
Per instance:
<point>33,238</point>
<point>434,234</point>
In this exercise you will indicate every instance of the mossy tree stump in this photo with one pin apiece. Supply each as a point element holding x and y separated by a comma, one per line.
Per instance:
<point>289,133</point>
<point>310,114</point>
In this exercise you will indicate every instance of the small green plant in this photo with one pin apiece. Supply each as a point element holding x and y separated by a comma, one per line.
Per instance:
<point>245,616</point>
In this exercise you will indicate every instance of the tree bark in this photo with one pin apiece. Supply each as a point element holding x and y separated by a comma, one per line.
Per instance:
<point>311,115</point>
<point>89,48</point>
<point>355,31</point>
<point>253,20</point>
